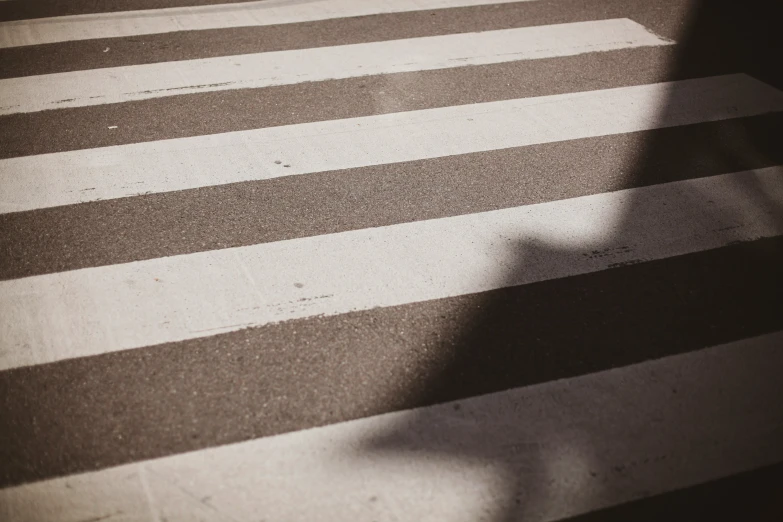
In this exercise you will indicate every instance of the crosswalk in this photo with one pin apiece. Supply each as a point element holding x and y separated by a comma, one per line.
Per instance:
<point>381,260</point>
<point>203,17</point>
<point>120,84</point>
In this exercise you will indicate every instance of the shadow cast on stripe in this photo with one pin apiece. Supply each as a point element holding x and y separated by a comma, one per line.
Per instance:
<point>491,355</point>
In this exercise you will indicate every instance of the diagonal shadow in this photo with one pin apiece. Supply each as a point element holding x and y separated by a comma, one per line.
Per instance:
<point>573,332</point>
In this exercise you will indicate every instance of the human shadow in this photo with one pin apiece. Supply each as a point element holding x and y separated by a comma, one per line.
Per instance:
<point>640,309</point>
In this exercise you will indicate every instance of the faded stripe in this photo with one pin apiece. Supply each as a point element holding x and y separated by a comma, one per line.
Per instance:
<point>99,310</point>
<point>171,223</point>
<point>136,82</point>
<point>114,172</point>
<point>268,12</point>
<point>247,384</point>
<point>581,444</point>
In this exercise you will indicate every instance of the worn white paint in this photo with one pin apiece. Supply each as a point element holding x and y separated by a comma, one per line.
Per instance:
<point>103,309</point>
<point>544,452</point>
<point>138,82</point>
<point>65,178</point>
<point>198,18</point>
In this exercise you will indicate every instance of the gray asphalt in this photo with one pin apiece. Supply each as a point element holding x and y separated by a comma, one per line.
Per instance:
<point>27,9</point>
<point>210,218</point>
<point>57,419</point>
<point>299,374</point>
<point>225,111</point>
<point>661,17</point>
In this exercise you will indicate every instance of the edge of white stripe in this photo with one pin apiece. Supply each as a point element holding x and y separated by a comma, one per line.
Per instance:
<point>549,451</point>
<point>104,309</point>
<point>220,16</point>
<point>251,71</point>
<point>81,176</point>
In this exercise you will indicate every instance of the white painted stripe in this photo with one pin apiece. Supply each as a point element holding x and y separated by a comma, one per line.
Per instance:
<point>546,452</point>
<point>103,309</point>
<point>137,82</point>
<point>221,16</point>
<point>113,172</point>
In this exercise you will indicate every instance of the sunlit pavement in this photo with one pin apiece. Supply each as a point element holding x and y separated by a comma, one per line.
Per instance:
<point>390,260</point>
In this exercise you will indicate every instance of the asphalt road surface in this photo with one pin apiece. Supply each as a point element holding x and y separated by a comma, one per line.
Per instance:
<point>390,260</point>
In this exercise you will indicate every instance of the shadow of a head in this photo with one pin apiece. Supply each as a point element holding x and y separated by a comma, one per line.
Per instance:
<point>604,288</point>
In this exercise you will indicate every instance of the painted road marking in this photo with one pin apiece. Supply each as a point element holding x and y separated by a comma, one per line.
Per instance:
<point>584,443</point>
<point>139,82</point>
<point>104,309</point>
<point>198,18</point>
<point>80,176</point>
